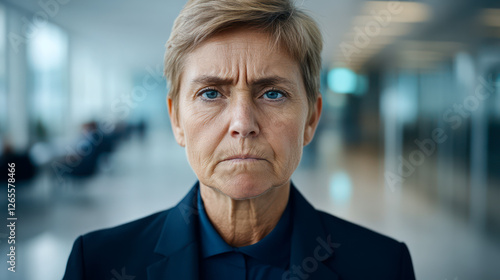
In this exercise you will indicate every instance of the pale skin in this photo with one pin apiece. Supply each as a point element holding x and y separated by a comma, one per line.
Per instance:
<point>243,118</point>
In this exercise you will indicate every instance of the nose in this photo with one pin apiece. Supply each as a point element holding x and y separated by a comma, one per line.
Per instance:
<point>243,119</point>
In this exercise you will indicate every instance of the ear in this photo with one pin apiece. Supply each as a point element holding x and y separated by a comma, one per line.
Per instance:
<point>174,120</point>
<point>313,120</point>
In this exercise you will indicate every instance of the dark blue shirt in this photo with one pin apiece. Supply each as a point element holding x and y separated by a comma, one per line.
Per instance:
<point>267,259</point>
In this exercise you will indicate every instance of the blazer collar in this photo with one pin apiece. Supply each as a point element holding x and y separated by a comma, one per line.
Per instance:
<point>311,245</point>
<point>178,242</point>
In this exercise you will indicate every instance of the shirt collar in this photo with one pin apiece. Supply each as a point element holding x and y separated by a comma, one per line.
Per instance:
<point>277,241</point>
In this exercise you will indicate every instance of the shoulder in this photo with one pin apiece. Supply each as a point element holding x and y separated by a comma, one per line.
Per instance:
<point>149,226</point>
<point>346,230</point>
<point>359,247</point>
<point>105,252</point>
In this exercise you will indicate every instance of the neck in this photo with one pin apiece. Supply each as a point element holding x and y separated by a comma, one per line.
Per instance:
<point>244,222</point>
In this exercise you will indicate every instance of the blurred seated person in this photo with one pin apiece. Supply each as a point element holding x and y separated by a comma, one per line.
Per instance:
<point>25,169</point>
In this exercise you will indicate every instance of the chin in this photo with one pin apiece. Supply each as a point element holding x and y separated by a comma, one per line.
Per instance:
<point>244,187</point>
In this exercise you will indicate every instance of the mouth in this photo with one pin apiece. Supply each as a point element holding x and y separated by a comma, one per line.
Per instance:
<point>242,158</point>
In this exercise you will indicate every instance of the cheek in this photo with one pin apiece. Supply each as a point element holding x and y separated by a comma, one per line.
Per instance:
<point>286,140</point>
<point>203,132</point>
<point>198,124</point>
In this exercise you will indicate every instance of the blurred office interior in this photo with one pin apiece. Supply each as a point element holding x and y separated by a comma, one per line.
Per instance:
<point>408,144</point>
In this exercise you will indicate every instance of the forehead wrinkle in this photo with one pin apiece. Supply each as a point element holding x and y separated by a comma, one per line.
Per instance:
<point>242,62</point>
<point>217,73</point>
<point>234,66</point>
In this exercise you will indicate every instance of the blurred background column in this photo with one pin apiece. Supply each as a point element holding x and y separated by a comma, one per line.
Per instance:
<point>16,83</point>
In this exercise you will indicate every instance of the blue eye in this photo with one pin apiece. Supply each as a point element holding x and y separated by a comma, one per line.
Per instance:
<point>272,94</point>
<point>210,94</point>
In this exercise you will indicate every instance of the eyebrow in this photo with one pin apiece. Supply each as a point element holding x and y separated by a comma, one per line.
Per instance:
<point>265,81</point>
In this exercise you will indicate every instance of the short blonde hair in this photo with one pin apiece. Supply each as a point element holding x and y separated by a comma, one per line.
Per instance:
<point>291,27</point>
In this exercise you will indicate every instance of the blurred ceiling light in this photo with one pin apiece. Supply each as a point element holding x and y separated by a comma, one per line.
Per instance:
<point>425,54</point>
<point>369,34</point>
<point>340,187</point>
<point>342,80</point>
<point>416,59</point>
<point>396,11</point>
<point>418,65</point>
<point>379,42</point>
<point>490,17</point>
<point>378,24</point>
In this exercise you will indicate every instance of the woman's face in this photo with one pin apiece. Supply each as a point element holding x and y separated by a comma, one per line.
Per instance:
<point>242,114</point>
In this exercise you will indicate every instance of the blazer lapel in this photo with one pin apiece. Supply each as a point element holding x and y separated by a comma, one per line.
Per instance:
<point>178,242</point>
<point>180,265</point>
<point>178,246</point>
<point>311,246</point>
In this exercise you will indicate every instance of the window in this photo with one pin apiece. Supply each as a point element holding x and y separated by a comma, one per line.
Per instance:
<point>3,72</point>
<point>48,90</point>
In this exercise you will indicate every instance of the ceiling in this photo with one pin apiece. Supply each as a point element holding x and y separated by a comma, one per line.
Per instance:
<point>134,32</point>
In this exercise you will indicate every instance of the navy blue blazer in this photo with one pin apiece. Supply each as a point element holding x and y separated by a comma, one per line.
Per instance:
<point>165,245</point>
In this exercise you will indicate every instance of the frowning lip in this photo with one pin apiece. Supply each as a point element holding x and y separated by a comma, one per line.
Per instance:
<point>243,157</point>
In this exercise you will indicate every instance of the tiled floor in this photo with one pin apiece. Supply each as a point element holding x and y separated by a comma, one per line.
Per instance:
<point>144,177</point>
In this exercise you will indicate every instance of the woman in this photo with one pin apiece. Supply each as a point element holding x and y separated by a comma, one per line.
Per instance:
<point>243,101</point>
